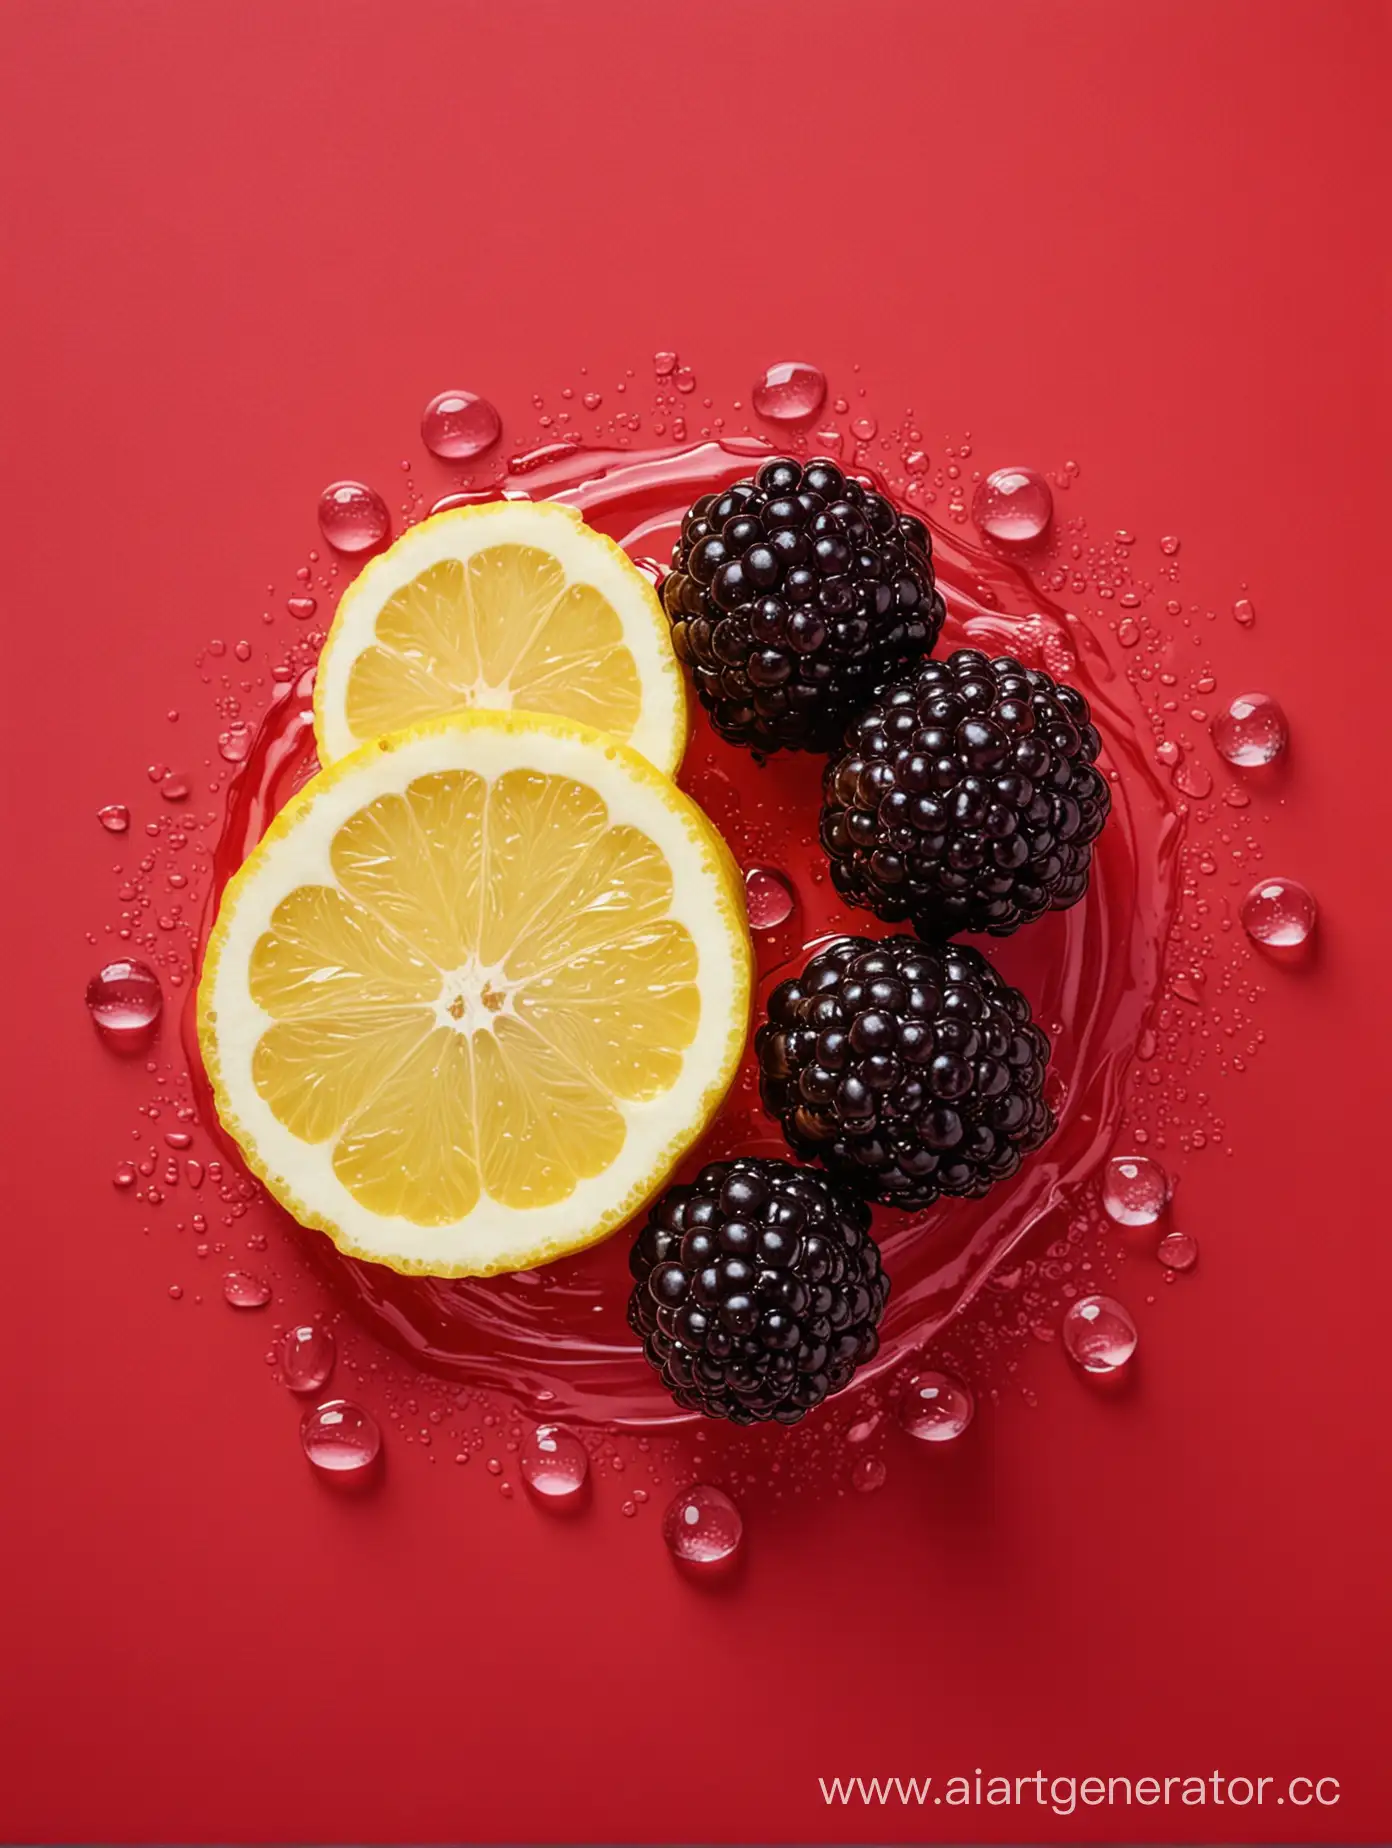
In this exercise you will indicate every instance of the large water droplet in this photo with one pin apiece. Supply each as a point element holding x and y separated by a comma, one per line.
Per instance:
<point>457,424</point>
<point>307,1356</point>
<point>115,817</point>
<point>555,1465</point>
<point>244,1291</point>
<point>1252,731</point>
<point>352,516</point>
<point>790,392</point>
<point>768,898</point>
<point>702,1527</point>
<point>1135,1190</point>
<point>124,1000</point>
<point>1099,1334</point>
<point>340,1439</point>
<point>1013,506</point>
<point>1279,914</point>
<point>935,1407</point>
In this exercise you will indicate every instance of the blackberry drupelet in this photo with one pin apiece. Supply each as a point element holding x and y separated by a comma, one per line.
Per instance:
<point>758,1289</point>
<point>908,1069</point>
<point>792,597</point>
<point>966,798</point>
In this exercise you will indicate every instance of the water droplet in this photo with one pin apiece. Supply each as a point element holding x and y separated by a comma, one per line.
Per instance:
<point>176,1291</point>
<point>1177,1251</point>
<point>864,429</point>
<point>1169,545</point>
<point>664,364</point>
<point>301,608</point>
<point>790,392</point>
<point>174,786</point>
<point>1168,753</point>
<point>115,817</point>
<point>244,1291</point>
<point>124,1175</point>
<point>1099,1334</point>
<point>340,1439</point>
<point>1193,779</point>
<point>1013,506</point>
<point>353,517</point>
<point>307,1356</point>
<point>1252,731</point>
<point>768,898</point>
<point>1135,1190</point>
<point>935,1407</point>
<point>1244,612</point>
<point>235,743</point>
<point>592,400</point>
<point>868,1475</point>
<point>1279,913</point>
<point>124,1000</point>
<point>555,1465</point>
<point>702,1527</point>
<point>458,424</point>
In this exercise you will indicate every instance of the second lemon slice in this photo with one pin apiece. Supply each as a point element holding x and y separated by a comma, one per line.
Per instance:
<point>476,992</point>
<point>510,605</point>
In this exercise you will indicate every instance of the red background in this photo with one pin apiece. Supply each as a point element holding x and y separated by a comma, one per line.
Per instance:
<point>245,244</point>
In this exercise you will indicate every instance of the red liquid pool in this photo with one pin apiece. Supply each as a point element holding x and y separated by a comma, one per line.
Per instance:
<point>556,1338</point>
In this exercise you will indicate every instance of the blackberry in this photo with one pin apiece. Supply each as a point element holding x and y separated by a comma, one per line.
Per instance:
<point>792,597</point>
<point>966,798</point>
<point>758,1289</point>
<point>906,1068</point>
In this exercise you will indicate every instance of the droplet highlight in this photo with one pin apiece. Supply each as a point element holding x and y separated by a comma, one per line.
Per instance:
<point>341,1440</point>
<point>1251,732</point>
<point>1099,1334</point>
<point>1279,914</point>
<point>934,1407</point>
<point>307,1356</point>
<point>458,424</point>
<point>353,517</point>
<point>702,1527</point>
<point>790,392</point>
<point>1013,506</point>
<point>555,1465</point>
<point>125,1002</point>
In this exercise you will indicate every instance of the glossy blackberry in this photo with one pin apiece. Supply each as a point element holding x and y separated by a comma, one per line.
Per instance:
<point>909,1069</point>
<point>758,1290</point>
<point>792,597</point>
<point>966,798</point>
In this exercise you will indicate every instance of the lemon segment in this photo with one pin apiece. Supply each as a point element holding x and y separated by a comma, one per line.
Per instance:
<point>509,606</point>
<point>476,992</point>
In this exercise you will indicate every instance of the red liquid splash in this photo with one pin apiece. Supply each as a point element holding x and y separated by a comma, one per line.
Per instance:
<point>556,1339</point>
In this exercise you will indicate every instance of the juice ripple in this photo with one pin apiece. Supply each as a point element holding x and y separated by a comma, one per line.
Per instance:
<point>556,1339</point>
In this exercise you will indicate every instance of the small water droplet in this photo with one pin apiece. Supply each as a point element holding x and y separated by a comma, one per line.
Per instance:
<point>340,1439</point>
<point>1193,779</point>
<point>790,392</point>
<point>1252,731</point>
<point>935,1407</point>
<point>1135,1190</point>
<point>864,428</point>
<point>125,1001</point>
<point>1099,1334</point>
<point>1168,753</point>
<point>307,1356</point>
<point>1244,612</point>
<point>592,400</point>
<point>301,608</point>
<point>176,1291</point>
<point>353,517</point>
<point>124,1175</point>
<point>174,786</point>
<point>1178,1251</point>
<point>1279,914</point>
<point>235,743</point>
<point>554,1464</point>
<point>1013,506</point>
<point>869,1474</point>
<point>115,817</point>
<point>457,424</point>
<point>244,1291</point>
<point>768,898</point>
<point>1169,545</point>
<point>702,1527</point>
<point>664,364</point>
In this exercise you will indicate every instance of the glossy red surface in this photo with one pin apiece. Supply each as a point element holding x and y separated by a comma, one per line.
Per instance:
<point>250,245</point>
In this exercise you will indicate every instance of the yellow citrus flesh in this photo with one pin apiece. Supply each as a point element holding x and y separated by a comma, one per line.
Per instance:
<point>476,992</point>
<point>514,605</point>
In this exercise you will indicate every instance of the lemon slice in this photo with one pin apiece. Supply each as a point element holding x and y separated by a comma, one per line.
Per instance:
<point>516,605</point>
<point>476,992</point>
